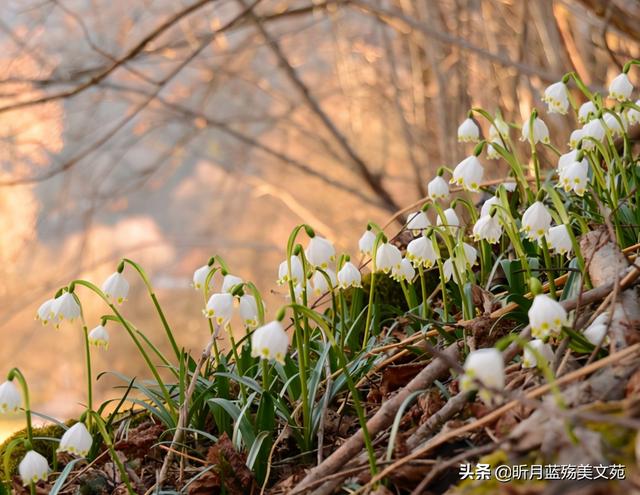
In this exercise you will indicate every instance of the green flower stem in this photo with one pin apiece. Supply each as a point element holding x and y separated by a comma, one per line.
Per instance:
<point>87,350</point>
<point>352,387</point>
<point>372,288</point>
<point>136,341</point>
<point>17,374</point>
<point>236,357</point>
<point>152,294</point>
<point>547,261</point>
<point>423,289</point>
<point>265,375</point>
<point>106,438</point>
<point>443,289</point>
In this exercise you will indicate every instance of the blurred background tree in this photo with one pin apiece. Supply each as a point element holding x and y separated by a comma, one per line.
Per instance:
<point>169,130</point>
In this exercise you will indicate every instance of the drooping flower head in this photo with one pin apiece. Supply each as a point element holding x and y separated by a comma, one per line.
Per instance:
<point>319,281</point>
<point>540,131</point>
<point>10,400</point>
<point>220,308</point>
<point>45,312</point>
<point>420,252</point>
<point>366,242</point>
<point>418,221</point>
<point>387,257</point>
<point>546,317</point>
<point>452,220</point>
<point>586,112</point>
<point>229,282</point>
<point>270,341</point>
<point>349,276</point>
<point>116,287</point>
<point>468,132</point>
<point>596,333</point>
<point>559,240</point>
<point>200,276</point>
<point>65,307</point>
<point>556,97</point>
<point>296,275</point>
<point>487,228</point>
<point>536,346</point>
<point>249,310</point>
<point>99,337</point>
<point>468,173</point>
<point>536,221</point>
<point>620,88</point>
<point>575,177</point>
<point>405,272</point>
<point>485,366</point>
<point>320,252</point>
<point>438,188</point>
<point>76,440</point>
<point>33,468</point>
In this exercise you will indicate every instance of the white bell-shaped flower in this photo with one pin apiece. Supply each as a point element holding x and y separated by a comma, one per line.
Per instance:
<point>596,333</point>
<point>438,188</point>
<point>575,137</point>
<point>540,131</point>
<point>45,312</point>
<point>546,317</point>
<point>468,173</point>
<point>492,152</point>
<point>593,130</point>
<point>453,222</point>
<point>616,127</point>
<point>297,273</point>
<point>220,308</point>
<point>229,282</point>
<point>498,129</point>
<point>270,341</point>
<point>200,276</point>
<point>633,115</point>
<point>76,440</point>
<point>33,468</point>
<point>536,346</point>
<point>468,132</point>
<point>116,287</point>
<point>575,177</point>
<point>488,205</point>
<point>487,228</point>
<point>10,400</point>
<point>65,307</point>
<point>566,159</point>
<point>349,276</point>
<point>99,337</point>
<point>447,269</point>
<point>485,366</point>
<point>536,221</point>
<point>470,254</point>
<point>587,111</point>
<point>387,257</point>
<point>405,272</point>
<point>420,252</point>
<point>510,186</point>
<point>556,97</point>
<point>418,221</point>
<point>319,281</point>
<point>366,243</point>
<point>320,252</point>
<point>559,240</point>
<point>249,310</point>
<point>620,88</point>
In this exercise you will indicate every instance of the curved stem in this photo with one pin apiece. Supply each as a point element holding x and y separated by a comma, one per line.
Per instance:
<point>154,299</point>
<point>135,339</point>
<point>17,374</point>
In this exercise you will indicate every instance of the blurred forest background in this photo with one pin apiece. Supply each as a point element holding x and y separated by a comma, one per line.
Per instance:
<point>169,130</point>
